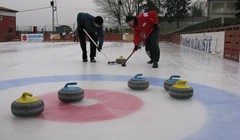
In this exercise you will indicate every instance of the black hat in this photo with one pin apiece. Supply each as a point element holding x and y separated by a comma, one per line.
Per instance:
<point>129,18</point>
<point>98,20</point>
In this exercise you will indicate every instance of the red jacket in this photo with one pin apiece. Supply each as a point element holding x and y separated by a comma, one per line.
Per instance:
<point>144,26</point>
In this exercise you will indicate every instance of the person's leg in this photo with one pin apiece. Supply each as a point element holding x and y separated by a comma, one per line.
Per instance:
<point>93,46</point>
<point>153,47</point>
<point>82,41</point>
<point>148,51</point>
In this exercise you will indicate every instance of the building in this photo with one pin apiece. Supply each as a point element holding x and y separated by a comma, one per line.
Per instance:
<point>7,21</point>
<point>221,8</point>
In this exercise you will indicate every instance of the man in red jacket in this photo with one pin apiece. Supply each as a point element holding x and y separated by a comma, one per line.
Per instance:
<point>146,28</point>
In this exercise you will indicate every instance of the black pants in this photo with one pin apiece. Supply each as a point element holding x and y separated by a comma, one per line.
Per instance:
<point>152,46</point>
<point>82,39</point>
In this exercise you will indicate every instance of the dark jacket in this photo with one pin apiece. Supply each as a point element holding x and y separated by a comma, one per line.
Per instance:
<point>86,21</point>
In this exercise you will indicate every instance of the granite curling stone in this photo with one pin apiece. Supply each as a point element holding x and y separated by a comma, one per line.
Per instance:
<point>27,106</point>
<point>171,81</point>
<point>120,60</point>
<point>138,83</point>
<point>70,93</point>
<point>180,90</point>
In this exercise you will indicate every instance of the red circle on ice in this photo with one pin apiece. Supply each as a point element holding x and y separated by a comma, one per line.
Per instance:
<point>107,105</point>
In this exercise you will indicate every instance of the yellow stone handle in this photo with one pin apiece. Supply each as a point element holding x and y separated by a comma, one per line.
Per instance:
<point>27,98</point>
<point>181,84</point>
<point>120,57</point>
<point>25,94</point>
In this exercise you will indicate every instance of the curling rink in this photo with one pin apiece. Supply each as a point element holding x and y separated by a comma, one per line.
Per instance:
<point>111,110</point>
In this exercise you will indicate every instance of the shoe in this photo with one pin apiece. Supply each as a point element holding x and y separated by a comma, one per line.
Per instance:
<point>155,65</point>
<point>93,60</point>
<point>85,60</point>
<point>150,62</point>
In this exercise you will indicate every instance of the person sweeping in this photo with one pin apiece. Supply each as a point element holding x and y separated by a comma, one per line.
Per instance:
<point>93,26</point>
<point>146,29</point>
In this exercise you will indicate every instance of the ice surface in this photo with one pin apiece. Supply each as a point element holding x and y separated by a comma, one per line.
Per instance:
<point>44,67</point>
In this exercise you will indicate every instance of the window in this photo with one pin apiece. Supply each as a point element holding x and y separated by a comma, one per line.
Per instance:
<point>231,8</point>
<point>223,7</point>
<point>218,7</point>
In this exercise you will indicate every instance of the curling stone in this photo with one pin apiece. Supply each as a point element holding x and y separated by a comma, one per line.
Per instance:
<point>120,60</point>
<point>180,90</point>
<point>138,83</point>
<point>171,81</point>
<point>27,106</point>
<point>70,93</point>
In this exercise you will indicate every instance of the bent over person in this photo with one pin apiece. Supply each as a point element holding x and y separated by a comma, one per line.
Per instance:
<point>93,26</point>
<point>146,29</point>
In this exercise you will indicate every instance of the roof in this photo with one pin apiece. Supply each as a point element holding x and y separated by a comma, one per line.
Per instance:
<point>7,9</point>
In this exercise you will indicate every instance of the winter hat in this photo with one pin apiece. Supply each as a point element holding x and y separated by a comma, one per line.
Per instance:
<point>129,18</point>
<point>98,20</point>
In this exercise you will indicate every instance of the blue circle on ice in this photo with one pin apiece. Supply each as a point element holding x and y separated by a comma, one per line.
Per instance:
<point>223,108</point>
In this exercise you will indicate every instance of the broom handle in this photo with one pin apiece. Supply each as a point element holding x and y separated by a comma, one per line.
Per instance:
<point>95,44</point>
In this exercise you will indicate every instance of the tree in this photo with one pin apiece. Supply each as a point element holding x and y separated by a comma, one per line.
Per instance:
<point>153,5</point>
<point>197,8</point>
<point>238,9</point>
<point>176,9</point>
<point>116,12</point>
<point>139,6</point>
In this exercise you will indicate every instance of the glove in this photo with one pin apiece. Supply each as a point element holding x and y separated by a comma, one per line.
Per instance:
<point>155,26</point>
<point>99,48</point>
<point>135,48</point>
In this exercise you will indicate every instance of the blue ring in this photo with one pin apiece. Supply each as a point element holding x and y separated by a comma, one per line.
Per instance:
<point>223,108</point>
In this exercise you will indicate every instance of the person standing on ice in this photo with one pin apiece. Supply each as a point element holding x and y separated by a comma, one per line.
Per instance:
<point>146,28</point>
<point>93,26</point>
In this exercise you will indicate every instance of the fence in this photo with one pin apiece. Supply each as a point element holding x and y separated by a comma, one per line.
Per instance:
<point>183,22</point>
<point>231,42</point>
<point>232,45</point>
<point>41,28</point>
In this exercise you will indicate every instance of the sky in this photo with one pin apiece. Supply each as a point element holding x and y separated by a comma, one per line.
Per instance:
<point>67,11</point>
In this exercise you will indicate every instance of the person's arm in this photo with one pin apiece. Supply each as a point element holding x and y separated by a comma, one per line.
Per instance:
<point>137,37</point>
<point>153,17</point>
<point>136,40</point>
<point>100,38</point>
